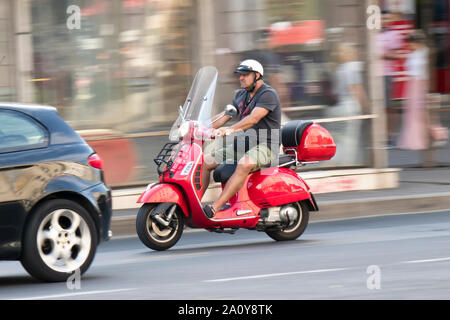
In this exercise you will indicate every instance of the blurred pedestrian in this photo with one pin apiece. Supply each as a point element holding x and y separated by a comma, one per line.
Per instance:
<point>415,129</point>
<point>351,101</point>
<point>439,133</point>
<point>389,41</point>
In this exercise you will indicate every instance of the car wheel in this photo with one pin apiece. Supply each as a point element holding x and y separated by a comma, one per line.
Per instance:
<point>60,238</point>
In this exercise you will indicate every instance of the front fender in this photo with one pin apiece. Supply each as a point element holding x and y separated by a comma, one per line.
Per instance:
<point>164,192</point>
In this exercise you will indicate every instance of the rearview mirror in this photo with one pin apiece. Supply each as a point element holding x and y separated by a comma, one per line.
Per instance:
<point>230,110</point>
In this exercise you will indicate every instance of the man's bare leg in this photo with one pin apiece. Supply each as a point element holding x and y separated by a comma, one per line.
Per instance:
<point>235,183</point>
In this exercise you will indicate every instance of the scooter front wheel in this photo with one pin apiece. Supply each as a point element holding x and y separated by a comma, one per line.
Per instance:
<point>161,229</point>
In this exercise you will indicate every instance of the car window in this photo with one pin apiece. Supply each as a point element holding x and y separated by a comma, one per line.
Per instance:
<point>20,132</point>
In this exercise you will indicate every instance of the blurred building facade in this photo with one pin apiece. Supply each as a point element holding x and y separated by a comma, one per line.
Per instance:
<point>126,65</point>
<point>7,53</point>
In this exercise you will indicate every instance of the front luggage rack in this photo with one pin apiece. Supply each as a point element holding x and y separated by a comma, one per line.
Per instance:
<point>164,158</point>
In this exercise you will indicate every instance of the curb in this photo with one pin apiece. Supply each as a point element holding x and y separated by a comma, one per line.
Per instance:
<point>356,208</point>
<point>333,210</point>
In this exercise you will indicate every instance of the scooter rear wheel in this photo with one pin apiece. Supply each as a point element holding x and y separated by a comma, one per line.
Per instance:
<point>295,228</point>
<point>153,234</point>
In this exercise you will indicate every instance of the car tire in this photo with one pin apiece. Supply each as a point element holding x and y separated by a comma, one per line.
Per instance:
<point>60,239</point>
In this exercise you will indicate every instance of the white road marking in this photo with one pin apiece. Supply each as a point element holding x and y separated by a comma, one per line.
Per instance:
<point>72,294</point>
<point>334,286</point>
<point>276,275</point>
<point>427,260</point>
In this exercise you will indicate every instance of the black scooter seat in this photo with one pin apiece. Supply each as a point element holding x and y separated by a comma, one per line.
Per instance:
<point>225,170</point>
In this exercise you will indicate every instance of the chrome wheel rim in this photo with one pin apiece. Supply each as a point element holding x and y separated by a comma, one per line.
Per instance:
<point>161,234</point>
<point>64,240</point>
<point>298,220</point>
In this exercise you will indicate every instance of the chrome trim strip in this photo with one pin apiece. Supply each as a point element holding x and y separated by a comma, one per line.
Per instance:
<point>242,212</point>
<point>232,219</point>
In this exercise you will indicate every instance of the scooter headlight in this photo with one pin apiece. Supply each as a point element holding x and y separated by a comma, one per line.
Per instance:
<point>184,129</point>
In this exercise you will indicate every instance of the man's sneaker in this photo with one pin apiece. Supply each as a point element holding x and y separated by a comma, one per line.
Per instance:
<point>209,211</point>
<point>225,207</point>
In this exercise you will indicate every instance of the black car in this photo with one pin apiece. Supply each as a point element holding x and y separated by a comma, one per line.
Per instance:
<point>55,207</point>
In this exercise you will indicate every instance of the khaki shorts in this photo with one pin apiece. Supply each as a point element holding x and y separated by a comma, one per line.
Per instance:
<point>260,154</point>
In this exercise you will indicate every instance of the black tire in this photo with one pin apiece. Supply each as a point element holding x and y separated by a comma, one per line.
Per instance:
<point>296,230</point>
<point>155,236</point>
<point>60,238</point>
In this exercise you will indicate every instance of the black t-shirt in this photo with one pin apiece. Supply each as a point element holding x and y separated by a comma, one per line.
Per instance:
<point>268,128</point>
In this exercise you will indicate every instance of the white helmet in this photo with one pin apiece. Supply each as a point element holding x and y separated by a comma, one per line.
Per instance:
<point>248,66</point>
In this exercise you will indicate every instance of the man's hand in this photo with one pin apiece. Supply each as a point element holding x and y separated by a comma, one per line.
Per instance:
<point>223,132</point>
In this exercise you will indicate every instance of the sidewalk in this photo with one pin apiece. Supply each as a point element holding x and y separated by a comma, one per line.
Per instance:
<point>409,188</point>
<point>419,190</point>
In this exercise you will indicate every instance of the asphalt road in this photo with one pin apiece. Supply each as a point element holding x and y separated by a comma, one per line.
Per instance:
<point>385,257</point>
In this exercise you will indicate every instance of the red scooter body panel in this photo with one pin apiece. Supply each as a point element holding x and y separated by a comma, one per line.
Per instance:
<point>317,144</point>
<point>164,192</point>
<point>186,172</point>
<point>271,187</point>
<point>243,213</point>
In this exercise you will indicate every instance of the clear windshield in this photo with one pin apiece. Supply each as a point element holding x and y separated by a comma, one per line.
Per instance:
<point>198,104</point>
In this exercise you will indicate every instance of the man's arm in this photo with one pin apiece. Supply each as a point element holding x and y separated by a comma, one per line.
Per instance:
<point>246,123</point>
<point>249,121</point>
<point>219,123</point>
<point>395,40</point>
<point>392,55</point>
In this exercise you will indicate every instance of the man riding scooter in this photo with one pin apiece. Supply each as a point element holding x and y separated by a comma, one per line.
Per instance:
<point>259,112</point>
<point>264,194</point>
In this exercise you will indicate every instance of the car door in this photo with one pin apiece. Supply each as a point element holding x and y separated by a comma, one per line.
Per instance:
<point>23,141</point>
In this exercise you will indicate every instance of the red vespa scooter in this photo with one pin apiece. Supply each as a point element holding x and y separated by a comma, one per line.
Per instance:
<point>274,199</point>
